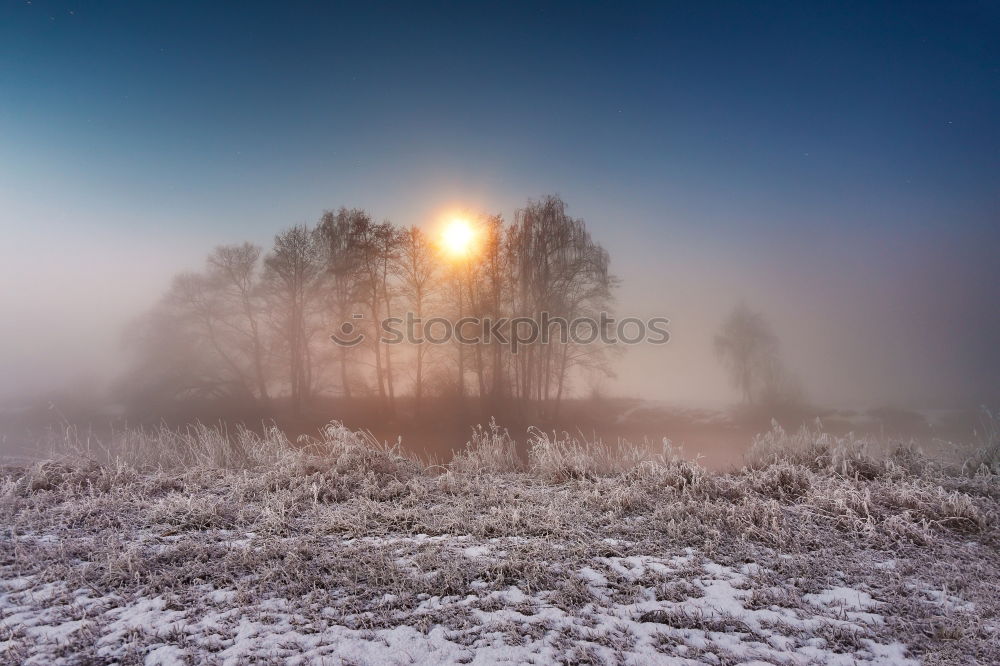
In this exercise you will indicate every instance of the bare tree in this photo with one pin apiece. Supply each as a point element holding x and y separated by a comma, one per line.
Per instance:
<point>559,272</point>
<point>456,291</point>
<point>417,269</point>
<point>242,316</point>
<point>748,348</point>
<point>487,285</point>
<point>375,248</point>
<point>235,270</point>
<point>344,286</point>
<point>195,308</point>
<point>174,356</point>
<point>293,272</point>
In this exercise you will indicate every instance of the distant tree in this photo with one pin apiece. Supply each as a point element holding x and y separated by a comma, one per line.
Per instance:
<point>194,342</point>
<point>174,359</point>
<point>489,287</point>
<point>458,274</point>
<point>224,331</point>
<point>559,270</point>
<point>235,271</point>
<point>375,248</point>
<point>294,270</point>
<point>417,268</point>
<point>343,287</point>
<point>748,348</point>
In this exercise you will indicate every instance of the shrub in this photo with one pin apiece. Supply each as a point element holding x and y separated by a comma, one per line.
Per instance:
<point>562,457</point>
<point>490,451</point>
<point>819,451</point>
<point>986,460</point>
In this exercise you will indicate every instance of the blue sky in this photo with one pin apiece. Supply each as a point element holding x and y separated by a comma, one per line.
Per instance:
<point>827,162</point>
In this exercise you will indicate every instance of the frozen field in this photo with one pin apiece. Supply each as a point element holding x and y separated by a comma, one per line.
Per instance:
<point>347,553</point>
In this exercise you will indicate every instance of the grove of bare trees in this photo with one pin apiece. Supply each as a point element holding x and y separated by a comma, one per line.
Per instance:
<point>256,325</point>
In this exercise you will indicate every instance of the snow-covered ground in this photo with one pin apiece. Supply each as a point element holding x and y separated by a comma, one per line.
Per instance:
<point>349,554</point>
<point>638,609</point>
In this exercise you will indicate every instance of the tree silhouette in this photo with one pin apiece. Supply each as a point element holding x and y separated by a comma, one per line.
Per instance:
<point>293,272</point>
<point>418,272</point>
<point>257,328</point>
<point>748,348</point>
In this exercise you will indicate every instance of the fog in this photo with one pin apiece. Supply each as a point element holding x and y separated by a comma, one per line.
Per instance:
<point>66,305</point>
<point>864,320</point>
<point>820,184</point>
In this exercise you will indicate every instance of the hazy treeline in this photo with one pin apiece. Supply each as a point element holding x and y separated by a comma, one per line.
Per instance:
<point>255,324</point>
<point>748,349</point>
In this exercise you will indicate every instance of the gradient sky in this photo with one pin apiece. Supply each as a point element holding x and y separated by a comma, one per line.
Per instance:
<point>835,165</point>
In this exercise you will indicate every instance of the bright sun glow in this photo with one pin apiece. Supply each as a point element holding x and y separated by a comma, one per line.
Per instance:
<point>458,237</point>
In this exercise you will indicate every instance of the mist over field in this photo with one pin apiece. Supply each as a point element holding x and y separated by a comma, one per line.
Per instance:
<point>425,332</point>
<point>873,260</point>
<point>865,321</point>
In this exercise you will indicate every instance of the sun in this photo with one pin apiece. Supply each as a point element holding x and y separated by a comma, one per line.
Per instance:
<point>458,238</point>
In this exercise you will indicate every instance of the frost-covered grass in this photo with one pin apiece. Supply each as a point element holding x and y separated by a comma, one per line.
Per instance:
<point>213,547</point>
